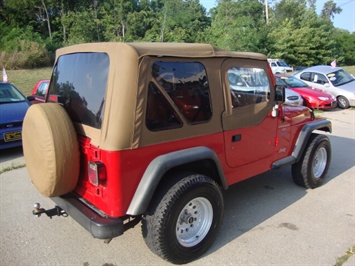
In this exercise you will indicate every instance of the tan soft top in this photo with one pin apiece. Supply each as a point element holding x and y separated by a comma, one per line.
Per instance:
<point>195,50</point>
<point>126,88</point>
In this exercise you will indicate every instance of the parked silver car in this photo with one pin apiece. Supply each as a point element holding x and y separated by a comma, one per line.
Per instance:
<point>333,80</point>
<point>291,97</point>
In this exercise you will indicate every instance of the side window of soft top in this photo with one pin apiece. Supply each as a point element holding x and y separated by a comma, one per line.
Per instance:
<point>187,86</point>
<point>160,114</point>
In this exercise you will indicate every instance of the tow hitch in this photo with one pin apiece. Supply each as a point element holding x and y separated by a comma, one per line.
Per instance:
<point>50,213</point>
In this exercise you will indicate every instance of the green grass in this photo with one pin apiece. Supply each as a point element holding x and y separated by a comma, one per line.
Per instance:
<point>350,252</point>
<point>350,69</point>
<point>13,166</point>
<point>25,79</point>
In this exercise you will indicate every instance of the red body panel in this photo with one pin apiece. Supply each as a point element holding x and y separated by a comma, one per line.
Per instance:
<point>124,169</point>
<point>114,195</point>
<point>240,152</point>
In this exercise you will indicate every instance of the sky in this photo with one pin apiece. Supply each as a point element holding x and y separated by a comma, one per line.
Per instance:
<point>344,20</point>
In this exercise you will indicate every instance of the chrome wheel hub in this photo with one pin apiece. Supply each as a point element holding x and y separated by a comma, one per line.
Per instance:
<point>194,222</point>
<point>320,162</point>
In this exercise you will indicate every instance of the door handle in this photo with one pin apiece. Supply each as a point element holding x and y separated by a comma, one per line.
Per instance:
<point>236,138</point>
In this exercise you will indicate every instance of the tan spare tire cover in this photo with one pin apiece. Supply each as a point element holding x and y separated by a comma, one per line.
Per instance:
<point>51,149</point>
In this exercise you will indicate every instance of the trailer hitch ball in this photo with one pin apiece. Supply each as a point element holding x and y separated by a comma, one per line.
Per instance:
<point>37,209</point>
<point>56,211</point>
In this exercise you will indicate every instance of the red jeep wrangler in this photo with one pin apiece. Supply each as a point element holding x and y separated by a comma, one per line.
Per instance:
<point>154,132</point>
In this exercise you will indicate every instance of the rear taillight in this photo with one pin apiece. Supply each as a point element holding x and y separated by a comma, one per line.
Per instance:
<point>96,172</point>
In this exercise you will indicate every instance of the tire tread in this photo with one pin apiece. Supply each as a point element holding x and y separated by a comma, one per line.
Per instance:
<point>154,223</point>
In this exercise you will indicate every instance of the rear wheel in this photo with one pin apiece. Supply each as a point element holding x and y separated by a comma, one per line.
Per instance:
<point>183,220</point>
<point>312,169</point>
<point>343,102</point>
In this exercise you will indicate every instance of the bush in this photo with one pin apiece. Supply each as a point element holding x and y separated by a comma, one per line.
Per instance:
<point>22,48</point>
<point>35,55</point>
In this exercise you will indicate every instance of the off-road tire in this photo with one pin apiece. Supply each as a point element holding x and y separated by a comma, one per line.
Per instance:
<point>51,149</point>
<point>182,211</point>
<point>311,170</point>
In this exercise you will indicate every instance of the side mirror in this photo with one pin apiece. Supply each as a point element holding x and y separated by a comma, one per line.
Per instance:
<point>326,85</point>
<point>30,98</point>
<point>280,94</point>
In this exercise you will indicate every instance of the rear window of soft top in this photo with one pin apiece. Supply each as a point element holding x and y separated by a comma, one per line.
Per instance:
<point>79,83</point>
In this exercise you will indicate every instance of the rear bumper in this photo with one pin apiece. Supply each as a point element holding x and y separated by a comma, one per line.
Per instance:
<point>100,227</point>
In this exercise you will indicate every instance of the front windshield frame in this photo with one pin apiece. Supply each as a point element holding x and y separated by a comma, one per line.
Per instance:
<point>339,78</point>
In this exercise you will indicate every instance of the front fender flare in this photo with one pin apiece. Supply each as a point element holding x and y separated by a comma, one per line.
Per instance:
<point>159,166</point>
<point>302,140</point>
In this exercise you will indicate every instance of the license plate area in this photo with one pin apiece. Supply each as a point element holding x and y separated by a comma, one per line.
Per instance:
<point>12,136</point>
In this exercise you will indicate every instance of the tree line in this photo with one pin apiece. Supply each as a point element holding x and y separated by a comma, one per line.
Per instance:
<point>31,30</point>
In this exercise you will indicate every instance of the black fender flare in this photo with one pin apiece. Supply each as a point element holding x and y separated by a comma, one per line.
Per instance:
<point>302,140</point>
<point>163,163</point>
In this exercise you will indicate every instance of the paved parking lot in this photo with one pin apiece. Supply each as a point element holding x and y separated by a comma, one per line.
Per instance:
<point>11,158</point>
<point>268,220</point>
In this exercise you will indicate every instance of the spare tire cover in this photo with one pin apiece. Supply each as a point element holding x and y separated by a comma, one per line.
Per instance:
<point>51,149</point>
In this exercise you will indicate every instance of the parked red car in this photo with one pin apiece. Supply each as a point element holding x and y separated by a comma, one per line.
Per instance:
<point>39,91</point>
<point>313,98</point>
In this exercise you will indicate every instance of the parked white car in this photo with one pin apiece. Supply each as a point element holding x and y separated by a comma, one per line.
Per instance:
<point>279,66</point>
<point>333,80</point>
